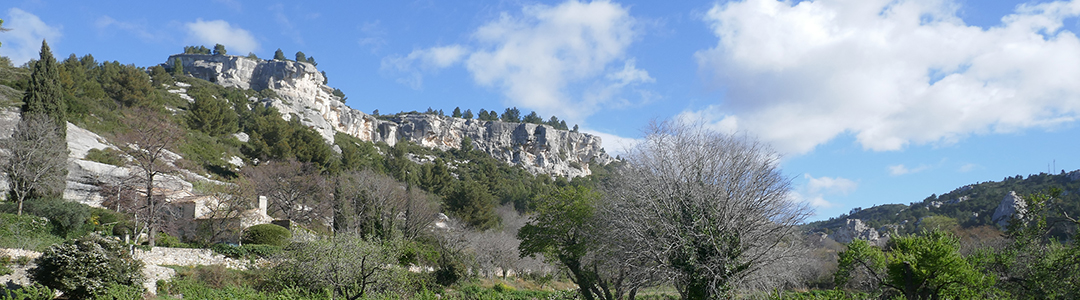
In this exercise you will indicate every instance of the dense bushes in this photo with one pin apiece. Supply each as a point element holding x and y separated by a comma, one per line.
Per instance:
<point>26,232</point>
<point>86,267</point>
<point>266,234</point>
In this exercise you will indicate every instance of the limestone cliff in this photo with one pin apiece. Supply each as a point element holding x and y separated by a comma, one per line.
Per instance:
<point>302,93</point>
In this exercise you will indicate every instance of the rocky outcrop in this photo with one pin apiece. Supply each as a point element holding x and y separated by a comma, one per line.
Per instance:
<point>855,229</point>
<point>1011,206</point>
<point>303,94</point>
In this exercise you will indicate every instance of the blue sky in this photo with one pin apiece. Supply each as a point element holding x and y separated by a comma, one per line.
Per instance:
<point>869,101</point>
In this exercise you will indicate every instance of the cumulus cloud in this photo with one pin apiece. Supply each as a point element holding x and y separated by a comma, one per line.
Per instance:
<point>830,185</point>
<point>614,145</point>
<point>423,60</point>
<point>816,188</point>
<point>890,73</point>
<point>568,60</point>
<point>23,42</point>
<point>236,40</point>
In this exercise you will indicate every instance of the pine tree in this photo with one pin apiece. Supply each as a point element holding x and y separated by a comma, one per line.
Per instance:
<point>300,57</point>
<point>456,113</point>
<point>219,49</point>
<point>44,94</point>
<point>278,55</point>
<point>467,114</point>
<point>512,115</point>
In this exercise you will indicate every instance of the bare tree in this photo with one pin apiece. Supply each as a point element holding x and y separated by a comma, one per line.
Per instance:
<point>296,191</point>
<point>147,141</point>
<point>711,208</point>
<point>368,203</point>
<point>35,160</point>
<point>417,213</point>
<point>229,204</point>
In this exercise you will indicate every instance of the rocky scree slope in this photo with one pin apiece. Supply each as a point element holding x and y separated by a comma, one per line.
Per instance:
<point>303,94</point>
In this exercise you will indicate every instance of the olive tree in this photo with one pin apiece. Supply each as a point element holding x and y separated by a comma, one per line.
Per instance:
<point>347,264</point>
<point>713,209</point>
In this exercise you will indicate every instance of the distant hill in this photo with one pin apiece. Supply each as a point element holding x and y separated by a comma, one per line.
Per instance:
<point>970,205</point>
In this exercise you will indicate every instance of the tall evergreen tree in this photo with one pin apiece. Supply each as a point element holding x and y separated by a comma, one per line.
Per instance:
<point>300,57</point>
<point>456,113</point>
<point>278,55</point>
<point>467,114</point>
<point>44,94</point>
<point>178,67</point>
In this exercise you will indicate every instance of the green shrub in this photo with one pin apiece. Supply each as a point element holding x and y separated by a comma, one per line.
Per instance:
<point>68,219</point>
<point>246,251</point>
<point>26,232</point>
<point>502,288</point>
<point>34,291</point>
<point>166,240</point>
<point>266,234</point>
<point>87,267</point>
<point>109,156</point>
<point>5,270</point>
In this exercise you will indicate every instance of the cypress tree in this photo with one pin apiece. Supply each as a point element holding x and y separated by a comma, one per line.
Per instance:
<point>44,94</point>
<point>178,67</point>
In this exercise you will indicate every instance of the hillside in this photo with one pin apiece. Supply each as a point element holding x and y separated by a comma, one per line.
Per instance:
<point>971,205</point>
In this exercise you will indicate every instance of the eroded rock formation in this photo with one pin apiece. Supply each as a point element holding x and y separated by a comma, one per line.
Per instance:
<point>303,93</point>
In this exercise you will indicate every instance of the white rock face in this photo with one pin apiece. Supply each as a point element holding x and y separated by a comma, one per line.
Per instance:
<point>537,148</point>
<point>1011,206</point>
<point>856,229</point>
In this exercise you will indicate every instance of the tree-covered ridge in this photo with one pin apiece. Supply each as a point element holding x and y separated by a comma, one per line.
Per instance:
<point>511,115</point>
<point>972,205</point>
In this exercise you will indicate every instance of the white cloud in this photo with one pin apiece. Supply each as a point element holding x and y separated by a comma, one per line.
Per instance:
<point>969,167</point>
<point>138,29</point>
<point>567,60</point>
<point>891,73</point>
<point>23,42</point>
<point>614,145</point>
<point>830,185</point>
<point>897,170</point>
<point>816,188</point>
<point>236,40</point>
<point>423,60</point>
<point>815,201</point>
